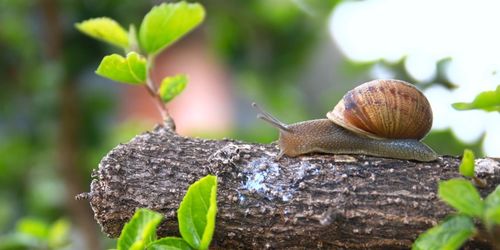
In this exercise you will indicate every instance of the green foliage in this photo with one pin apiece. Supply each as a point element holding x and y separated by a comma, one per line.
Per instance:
<point>492,208</point>
<point>487,101</point>
<point>172,86</point>
<point>105,29</point>
<point>466,167</point>
<point>140,230</point>
<point>450,234</point>
<point>197,212</point>
<point>464,197</point>
<point>128,70</point>
<point>40,68</point>
<point>36,234</point>
<point>196,216</point>
<point>461,195</point>
<point>160,28</point>
<point>169,243</point>
<point>168,22</point>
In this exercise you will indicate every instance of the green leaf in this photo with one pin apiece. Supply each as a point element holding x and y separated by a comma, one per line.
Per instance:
<point>172,86</point>
<point>140,230</point>
<point>137,65</point>
<point>127,70</point>
<point>168,22</point>
<point>169,243</point>
<point>461,195</point>
<point>105,29</point>
<point>450,234</point>
<point>487,100</point>
<point>492,208</point>
<point>59,234</point>
<point>197,212</point>
<point>33,227</point>
<point>466,167</point>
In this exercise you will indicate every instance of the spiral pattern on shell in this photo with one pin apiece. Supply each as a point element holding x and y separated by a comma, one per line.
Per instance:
<point>384,109</point>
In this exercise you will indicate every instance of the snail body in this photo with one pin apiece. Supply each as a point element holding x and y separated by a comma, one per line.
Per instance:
<point>385,118</point>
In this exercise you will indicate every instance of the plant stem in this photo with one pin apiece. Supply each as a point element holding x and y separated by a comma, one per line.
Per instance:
<point>153,91</point>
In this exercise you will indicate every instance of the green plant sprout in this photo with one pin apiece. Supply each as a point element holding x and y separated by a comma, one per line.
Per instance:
<point>461,194</point>
<point>161,27</point>
<point>466,168</point>
<point>487,101</point>
<point>196,218</point>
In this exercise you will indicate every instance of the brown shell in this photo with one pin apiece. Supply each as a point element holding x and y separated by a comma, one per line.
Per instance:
<point>384,109</point>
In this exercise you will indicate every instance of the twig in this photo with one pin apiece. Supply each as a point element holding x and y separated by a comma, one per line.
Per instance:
<point>153,91</point>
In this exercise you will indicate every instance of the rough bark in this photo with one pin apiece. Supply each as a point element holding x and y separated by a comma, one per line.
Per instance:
<point>314,201</point>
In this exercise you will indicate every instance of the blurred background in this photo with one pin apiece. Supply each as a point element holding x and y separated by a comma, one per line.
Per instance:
<point>297,58</point>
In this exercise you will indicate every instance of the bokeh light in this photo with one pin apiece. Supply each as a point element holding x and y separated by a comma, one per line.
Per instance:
<point>425,32</point>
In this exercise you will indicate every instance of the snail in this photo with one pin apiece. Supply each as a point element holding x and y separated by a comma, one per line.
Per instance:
<point>384,118</point>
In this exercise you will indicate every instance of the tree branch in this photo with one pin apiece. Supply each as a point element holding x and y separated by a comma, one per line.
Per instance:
<point>314,201</point>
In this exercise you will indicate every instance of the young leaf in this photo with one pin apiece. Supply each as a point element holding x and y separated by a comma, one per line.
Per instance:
<point>137,65</point>
<point>461,195</point>
<point>169,243</point>
<point>466,167</point>
<point>168,22</point>
<point>140,230</point>
<point>450,234</point>
<point>197,212</point>
<point>127,70</point>
<point>171,87</point>
<point>487,100</point>
<point>105,29</point>
<point>492,208</point>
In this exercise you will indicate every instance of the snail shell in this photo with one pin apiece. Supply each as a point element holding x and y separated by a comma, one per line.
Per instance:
<point>384,109</point>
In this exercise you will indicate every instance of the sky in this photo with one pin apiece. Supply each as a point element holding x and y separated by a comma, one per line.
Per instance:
<point>425,32</point>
